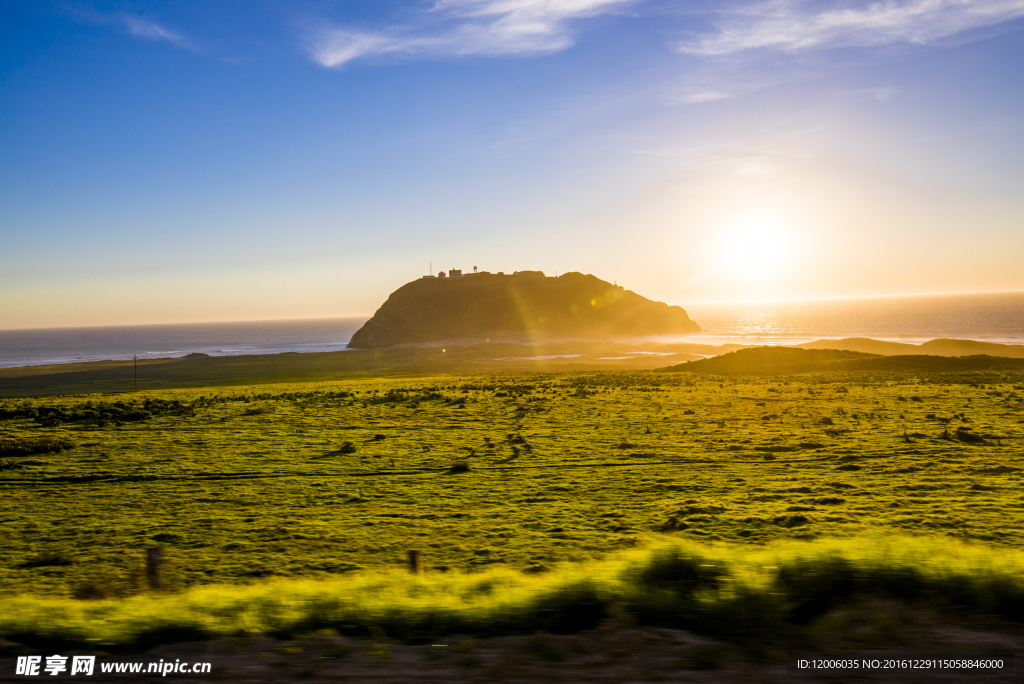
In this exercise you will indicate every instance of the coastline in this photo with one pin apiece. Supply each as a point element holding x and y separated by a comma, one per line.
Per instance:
<point>466,358</point>
<point>986,318</point>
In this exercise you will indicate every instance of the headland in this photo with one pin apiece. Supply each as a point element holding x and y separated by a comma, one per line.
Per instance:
<point>525,303</point>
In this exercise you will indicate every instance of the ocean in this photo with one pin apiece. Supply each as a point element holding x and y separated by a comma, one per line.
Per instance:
<point>69,345</point>
<point>913,319</point>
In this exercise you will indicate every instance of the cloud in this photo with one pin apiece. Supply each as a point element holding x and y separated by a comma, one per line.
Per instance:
<point>134,24</point>
<point>701,96</point>
<point>797,25</point>
<point>464,27</point>
<point>143,28</point>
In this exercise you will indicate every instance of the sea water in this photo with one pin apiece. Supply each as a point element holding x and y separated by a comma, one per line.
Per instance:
<point>69,345</point>
<point>911,319</point>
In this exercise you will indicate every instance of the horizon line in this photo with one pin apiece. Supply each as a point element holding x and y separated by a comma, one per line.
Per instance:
<point>153,325</point>
<point>860,296</point>
<point>681,304</point>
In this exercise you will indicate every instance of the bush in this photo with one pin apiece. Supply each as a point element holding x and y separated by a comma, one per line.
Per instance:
<point>758,597</point>
<point>568,609</point>
<point>49,559</point>
<point>27,447</point>
<point>90,590</point>
<point>673,570</point>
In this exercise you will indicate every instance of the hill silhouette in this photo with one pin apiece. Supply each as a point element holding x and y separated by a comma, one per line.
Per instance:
<point>771,361</point>
<point>792,360</point>
<point>523,304</point>
<point>939,347</point>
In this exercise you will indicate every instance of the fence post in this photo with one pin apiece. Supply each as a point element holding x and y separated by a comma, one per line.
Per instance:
<point>415,566</point>
<point>154,567</point>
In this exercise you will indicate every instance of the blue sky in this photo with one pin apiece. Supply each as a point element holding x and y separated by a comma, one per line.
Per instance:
<point>166,162</point>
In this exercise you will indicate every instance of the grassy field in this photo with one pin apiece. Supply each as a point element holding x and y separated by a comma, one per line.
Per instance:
<point>761,597</point>
<point>515,471</point>
<point>472,357</point>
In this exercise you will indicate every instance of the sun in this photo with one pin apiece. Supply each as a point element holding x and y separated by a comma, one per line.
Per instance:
<point>756,248</point>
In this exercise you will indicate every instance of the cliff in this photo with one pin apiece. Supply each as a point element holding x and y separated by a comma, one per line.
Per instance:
<point>528,303</point>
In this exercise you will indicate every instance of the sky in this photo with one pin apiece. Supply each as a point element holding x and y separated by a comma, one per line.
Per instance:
<point>174,162</point>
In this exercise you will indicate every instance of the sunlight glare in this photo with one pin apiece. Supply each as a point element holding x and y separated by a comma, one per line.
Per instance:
<point>756,248</point>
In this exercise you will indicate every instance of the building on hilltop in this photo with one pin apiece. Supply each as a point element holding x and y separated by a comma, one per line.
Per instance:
<point>457,273</point>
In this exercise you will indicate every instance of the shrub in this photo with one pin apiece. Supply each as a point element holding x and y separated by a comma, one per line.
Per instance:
<point>757,597</point>
<point>673,570</point>
<point>90,590</point>
<point>964,434</point>
<point>567,609</point>
<point>814,587</point>
<point>49,559</point>
<point>792,520</point>
<point>27,447</point>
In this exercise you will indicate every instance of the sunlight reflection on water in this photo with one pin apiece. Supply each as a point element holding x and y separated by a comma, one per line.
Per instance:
<point>912,319</point>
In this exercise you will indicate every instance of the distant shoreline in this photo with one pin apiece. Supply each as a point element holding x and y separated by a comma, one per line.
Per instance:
<point>460,358</point>
<point>702,344</point>
<point>997,318</point>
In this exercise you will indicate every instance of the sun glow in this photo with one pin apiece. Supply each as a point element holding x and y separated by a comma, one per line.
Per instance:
<point>756,248</point>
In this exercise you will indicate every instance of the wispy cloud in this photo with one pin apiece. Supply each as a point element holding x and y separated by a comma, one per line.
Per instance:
<point>143,28</point>
<point>134,24</point>
<point>796,25</point>
<point>464,27</point>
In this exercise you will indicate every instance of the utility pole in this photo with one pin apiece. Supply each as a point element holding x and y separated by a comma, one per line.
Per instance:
<point>136,357</point>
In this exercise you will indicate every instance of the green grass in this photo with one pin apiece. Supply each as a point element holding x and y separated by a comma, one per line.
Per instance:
<point>534,483</point>
<point>316,480</point>
<point>465,358</point>
<point>754,595</point>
